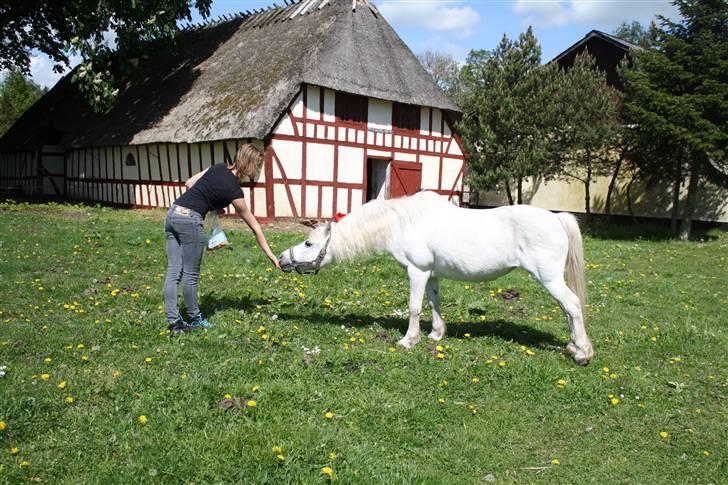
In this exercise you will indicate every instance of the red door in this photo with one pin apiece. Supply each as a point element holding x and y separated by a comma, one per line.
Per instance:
<point>405,177</point>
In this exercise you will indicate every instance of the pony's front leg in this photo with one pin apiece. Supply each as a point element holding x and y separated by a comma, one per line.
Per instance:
<point>433,295</point>
<point>418,281</point>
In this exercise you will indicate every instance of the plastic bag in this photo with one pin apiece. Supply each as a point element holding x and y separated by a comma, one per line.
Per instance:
<point>217,238</point>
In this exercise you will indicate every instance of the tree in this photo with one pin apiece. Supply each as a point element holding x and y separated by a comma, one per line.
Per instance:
<point>677,96</point>
<point>636,33</point>
<point>16,95</point>
<point>593,125</point>
<point>509,102</point>
<point>60,29</point>
<point>444,70</point>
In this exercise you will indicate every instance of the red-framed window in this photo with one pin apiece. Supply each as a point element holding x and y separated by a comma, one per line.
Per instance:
<point>351,108</point>
<point>406,118</point>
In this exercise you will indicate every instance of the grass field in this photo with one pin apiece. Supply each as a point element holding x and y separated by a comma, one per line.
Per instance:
<point>96,391</point>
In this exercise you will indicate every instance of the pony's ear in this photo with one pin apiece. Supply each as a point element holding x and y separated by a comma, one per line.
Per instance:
<point>309,223</point>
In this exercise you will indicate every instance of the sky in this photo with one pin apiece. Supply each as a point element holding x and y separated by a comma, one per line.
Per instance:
<point>455,27</point>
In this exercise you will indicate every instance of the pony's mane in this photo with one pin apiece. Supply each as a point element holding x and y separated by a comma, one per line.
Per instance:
<point>369,228</point>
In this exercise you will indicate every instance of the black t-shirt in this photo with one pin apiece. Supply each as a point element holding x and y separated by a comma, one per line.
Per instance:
<point>213,191</point>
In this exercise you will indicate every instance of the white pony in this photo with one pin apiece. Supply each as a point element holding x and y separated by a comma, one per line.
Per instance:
<point>432,239</point>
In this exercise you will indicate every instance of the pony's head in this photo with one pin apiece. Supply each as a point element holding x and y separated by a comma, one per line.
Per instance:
<point>311,255</point>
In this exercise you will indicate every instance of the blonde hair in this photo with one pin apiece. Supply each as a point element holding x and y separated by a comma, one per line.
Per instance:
<point>247,162</point>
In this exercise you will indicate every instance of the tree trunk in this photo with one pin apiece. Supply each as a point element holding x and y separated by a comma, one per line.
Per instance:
<point>612,184</point>
<point>508,192</point>
<point>675,200</point>
<point>519,188</point>
<point>689,209</point>
<point>587,191</point>
<point>629,198</point>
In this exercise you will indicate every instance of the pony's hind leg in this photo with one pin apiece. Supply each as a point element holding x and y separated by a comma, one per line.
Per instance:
<point>418,280</point>
<point>579,344</point>
<point>433,295</point>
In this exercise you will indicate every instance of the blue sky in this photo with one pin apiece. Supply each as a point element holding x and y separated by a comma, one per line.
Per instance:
<point>456,27</point>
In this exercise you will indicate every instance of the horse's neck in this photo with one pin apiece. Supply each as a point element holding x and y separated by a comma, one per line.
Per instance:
<point>355,239</point>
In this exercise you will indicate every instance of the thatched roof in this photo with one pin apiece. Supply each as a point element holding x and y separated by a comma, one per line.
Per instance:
<point>233,79</point>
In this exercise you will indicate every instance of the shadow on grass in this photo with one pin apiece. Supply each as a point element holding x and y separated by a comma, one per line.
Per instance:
<point>503,329</point>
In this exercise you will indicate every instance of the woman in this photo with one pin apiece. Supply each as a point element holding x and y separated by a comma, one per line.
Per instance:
<point>213,189</point>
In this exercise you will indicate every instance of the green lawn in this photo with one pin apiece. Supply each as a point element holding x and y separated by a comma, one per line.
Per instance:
<point>87,354</point>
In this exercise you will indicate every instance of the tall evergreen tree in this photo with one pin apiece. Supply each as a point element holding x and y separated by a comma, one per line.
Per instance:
<point>677,100</point>
<point>16,95</point>
<point>591,118</point>
<point>508,101</point>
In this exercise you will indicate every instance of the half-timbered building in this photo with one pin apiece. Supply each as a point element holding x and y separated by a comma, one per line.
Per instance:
<point>341,108</point>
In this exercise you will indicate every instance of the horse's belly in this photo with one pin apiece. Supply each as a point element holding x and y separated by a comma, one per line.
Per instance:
<point>464,267</point>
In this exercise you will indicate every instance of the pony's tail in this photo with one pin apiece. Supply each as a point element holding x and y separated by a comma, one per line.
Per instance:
<point>574,258</point>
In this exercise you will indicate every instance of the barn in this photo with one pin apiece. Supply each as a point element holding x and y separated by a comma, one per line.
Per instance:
<point>342,109</point>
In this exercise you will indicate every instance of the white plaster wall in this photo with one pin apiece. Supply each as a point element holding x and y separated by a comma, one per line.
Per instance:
<point>424,120</point>
<point>289,153</point>
<point>260,202</point>
<point>320,162</point>
<point>311,201</point>
<point>342,201</point>
<point>351,165</point>
<point>454,148</point>
<point>329,105</point>
<point>327,201</point>
<point>313,101</point>
<point>450,170</point>
<point>284,126</point>
<point>297,106</point>
<point>405,157</point>
<point>436,122</point>
<point>430,171</point>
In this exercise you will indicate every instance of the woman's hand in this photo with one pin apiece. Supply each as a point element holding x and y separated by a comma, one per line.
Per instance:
<point>275,261</point>
<point>244,212</point>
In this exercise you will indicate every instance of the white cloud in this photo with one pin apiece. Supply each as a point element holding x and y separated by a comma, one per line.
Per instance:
<point>602,13</point>
<point>41,70</point>
<point>436,15</point>
<point>440,44</point>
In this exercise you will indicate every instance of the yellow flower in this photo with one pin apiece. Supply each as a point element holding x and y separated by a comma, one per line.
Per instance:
<point>440,355</point>
<point>62,385</point>
<point>227,396</point>
<point>69,399</point>
<point>392,349</point>
<point>555,461</point>
<point>466,335</point>
<point>440,400</point>
<point>148,241</point>
<point>256,388</point>
<point>80,346</point>
<point>3,425</point>
<point>148,360</point>
<point>24,464</point>
<point>14,450</point>
<point>280,458</point>
<point>84,358</point>
<point>706,453</point>
<point>663,434</point>
<point>502,363</point>
<point>530,352</point>
<point>333,456</point>
<point>142,419</point>
<point>474,380</point>
<point>277,450</point>
<point>47,360</point>
<point>251,403</point>
<point>328,471</point>
<point>605,369</point>
<point>329,415</point>
<point>439,348</point>
<point>45,377</point>
<point>614,401</point>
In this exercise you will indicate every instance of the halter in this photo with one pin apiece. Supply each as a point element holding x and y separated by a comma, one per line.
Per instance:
<point>309,267</point>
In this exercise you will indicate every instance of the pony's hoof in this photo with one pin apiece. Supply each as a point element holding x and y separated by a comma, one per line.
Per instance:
<point>436,336</point>
<point>407,343</point>
<point>581,356</point>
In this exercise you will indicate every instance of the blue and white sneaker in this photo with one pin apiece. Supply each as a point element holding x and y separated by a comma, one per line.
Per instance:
<point>200,322</point>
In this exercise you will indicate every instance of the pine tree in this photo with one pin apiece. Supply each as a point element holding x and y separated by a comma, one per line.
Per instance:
<point>677,101</point>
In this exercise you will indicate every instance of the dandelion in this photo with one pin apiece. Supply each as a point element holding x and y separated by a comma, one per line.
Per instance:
<point>3,425</point>
<point>440,355</point>
<point>61,385</point>
<point>392,349</point>
<point>614,401</point>
<point>280,458</point>
<point>561,383</point>
<point>277,450</point>
<point>69,399</point>
<point>24,464</point>
<point>14,450</point>
<point>148,360</point>
<point>439,348</point>
<point>228,396</point>
<point>555,461</point>
<point>47,360</point>
<point>706,453</point>
<point>440,400</point>
<point>45,377</point>
<point>502,363</point>
<point>663,435</point>
<point>143,420</point>
<point>328,415</point>
<point>605,369</point>
<point>251,403</point>
<point>333,456</point>
<point>466,335</point>
<point>256,388</point>
<point>474,380</point>
<point>328,471</point>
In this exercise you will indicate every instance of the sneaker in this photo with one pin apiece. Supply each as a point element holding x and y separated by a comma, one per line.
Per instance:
<point>200,322</point>
<point>180,326</point>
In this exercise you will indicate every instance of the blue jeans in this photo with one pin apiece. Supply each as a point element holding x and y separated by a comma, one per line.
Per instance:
<point>186,243</point>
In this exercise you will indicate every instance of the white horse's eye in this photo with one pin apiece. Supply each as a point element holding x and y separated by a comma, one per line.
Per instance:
<point>308,244</point>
